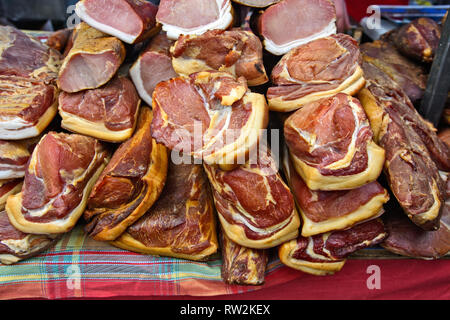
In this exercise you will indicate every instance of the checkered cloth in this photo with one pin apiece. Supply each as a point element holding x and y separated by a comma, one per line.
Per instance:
<point>79,267</point>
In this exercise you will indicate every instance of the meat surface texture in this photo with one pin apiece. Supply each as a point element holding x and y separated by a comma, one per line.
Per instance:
<point>193,16</point>
<point>60,175</point>
<point>28,92</point>
<point>16,245</point>
<point>407,239</point>
<point>131,21</point>
<point>14,156</point>
<point>331,146</point>
<point>209,115</point>
<point>414,153</point>
<point>130,184</point>
<point>181,223</point>
<point>319,69</point>
<point>326,253</point>
<point>236,51</point>
<point>324,211</point>
<point>412,77</point>
<point>9,187</point>
<point>92,61</point>
<point>417,40</point>
<point>257,3</point>
<point>291,23</point>
<point>107,113</point>
<point>241,265</point>
<point>153,66</point>
<point>255,207</point>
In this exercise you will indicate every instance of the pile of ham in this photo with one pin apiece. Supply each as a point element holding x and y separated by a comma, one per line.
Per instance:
<point>161,144</point>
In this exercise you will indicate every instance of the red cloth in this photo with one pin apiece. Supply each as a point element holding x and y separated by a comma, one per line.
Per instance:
<point>357,9</point>
<point>401,279</point>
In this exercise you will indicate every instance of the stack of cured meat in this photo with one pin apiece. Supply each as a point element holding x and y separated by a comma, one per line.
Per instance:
<point>147,124</point>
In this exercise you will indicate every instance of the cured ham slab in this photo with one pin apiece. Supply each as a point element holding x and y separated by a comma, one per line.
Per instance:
<point>236,51</point>
<point>181,223</point>
<point>16,245</point>
<point>291,23</point>
<point>241,265</point>
<point>412,77</point>
<point>255,207</point>
<point>14,156</point>
<point>324,211</point>
<point>107,113</point>
<point>193,16</point>
<point>417,40</point>
<point>28,92</point>
<point>60,175</point>
<point>331,146</point>
<point>131,21</point>
<point>326,253</point>
<point>130,184</point>
<point>92,61</point>
<point>406,239</point>
<point>414,153</point>
<point>318,69</point>
<point>209,115</point>
<point>153,66</point>
<point>9,187</point>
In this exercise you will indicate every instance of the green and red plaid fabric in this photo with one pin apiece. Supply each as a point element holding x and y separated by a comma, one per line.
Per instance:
<point>79,267</point>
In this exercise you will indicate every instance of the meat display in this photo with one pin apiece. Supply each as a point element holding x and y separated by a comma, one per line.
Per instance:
<point>193,16</point>
<point>16,245</point>
<point>14,156</point>
<point>411,76</point>
<point>256,3</point>
<point>414,153</point>
<point>7,188</point>
<point>92,61</point>
<point>291,23</point>
<point>209,115</point>
<point>153,66</point>
<point>318,69</point>
<point>417,40</point>
<point>130,184</point>
<point>60,175</point>
<point>324,211</point>
<point>331,146</point>
<point>28,94</point>
<point>131,21</point>
<point>107,113</point>
<point>236,51</point>
<point>241,265</point>
<point>326,253</point>
<point>255,207</point>
<point>181,223</point>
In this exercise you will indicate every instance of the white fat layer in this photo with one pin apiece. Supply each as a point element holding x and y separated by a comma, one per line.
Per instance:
<point>80,10</point>
<point>135,74</point>
<point>239,218</point>
<point>16,128</point>
<point>12,173</point>
<point>225,19</point>
<point>21,246</point>
<point>310,249</point>
<point>279,50</point>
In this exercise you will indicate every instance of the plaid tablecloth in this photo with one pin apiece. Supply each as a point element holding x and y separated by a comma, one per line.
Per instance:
<point>78,266</point>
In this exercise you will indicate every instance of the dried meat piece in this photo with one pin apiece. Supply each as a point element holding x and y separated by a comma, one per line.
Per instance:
<point>92,61</point>
<point>131,21</point>
<point>130,184</point>
<point>315,70</point>
<point>61,173</point>
<point>181,223</point>
<point>107,113</point>
<point>235,51</point>
<point>331,146</point>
